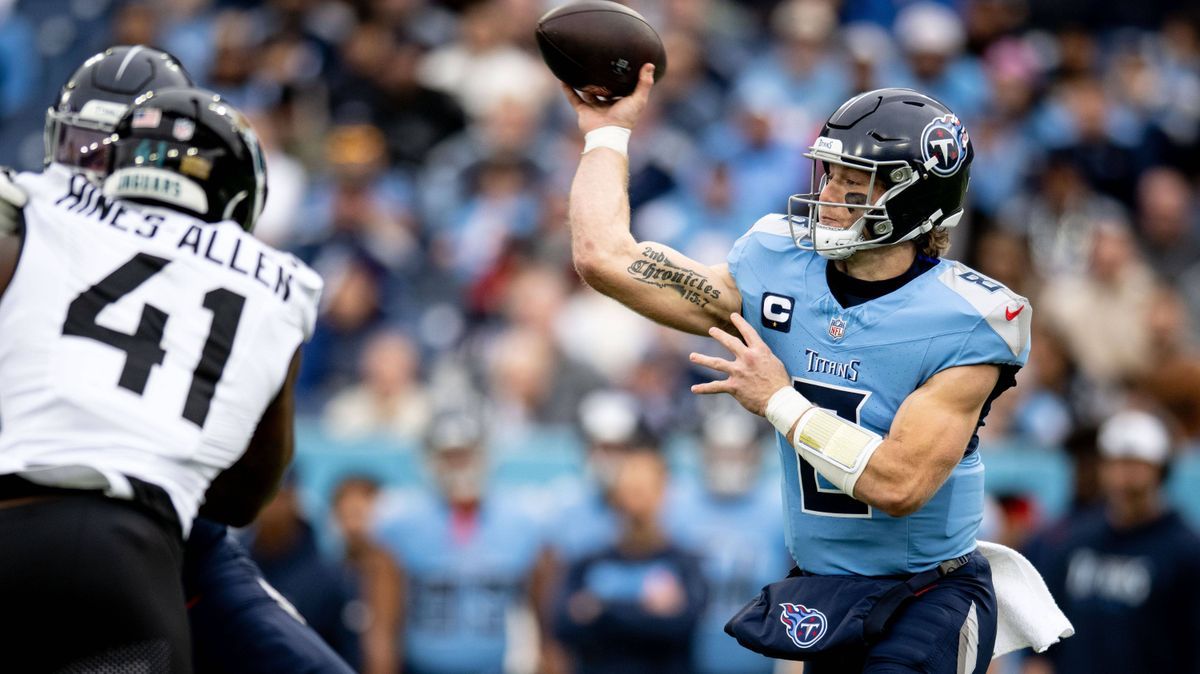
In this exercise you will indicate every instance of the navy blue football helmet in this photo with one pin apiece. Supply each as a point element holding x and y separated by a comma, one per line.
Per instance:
<point>97,94</point>
<point>918,156</point>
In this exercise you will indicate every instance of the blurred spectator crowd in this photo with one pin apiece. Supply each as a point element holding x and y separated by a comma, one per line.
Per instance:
<point>420,157</point>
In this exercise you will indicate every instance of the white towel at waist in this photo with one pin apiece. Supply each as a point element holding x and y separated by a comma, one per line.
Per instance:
<point>1027,614</point>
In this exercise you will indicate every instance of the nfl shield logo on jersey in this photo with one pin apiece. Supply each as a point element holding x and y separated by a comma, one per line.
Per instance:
<point>805,626</point>
<point>837,327</point>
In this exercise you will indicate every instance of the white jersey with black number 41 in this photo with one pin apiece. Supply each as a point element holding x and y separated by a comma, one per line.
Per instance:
<point>140,342</point>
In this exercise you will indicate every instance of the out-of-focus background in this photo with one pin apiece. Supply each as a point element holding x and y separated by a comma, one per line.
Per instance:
<point>420,156</point>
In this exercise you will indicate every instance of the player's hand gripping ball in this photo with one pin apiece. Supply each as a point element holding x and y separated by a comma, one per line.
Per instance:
<point>598,47</point>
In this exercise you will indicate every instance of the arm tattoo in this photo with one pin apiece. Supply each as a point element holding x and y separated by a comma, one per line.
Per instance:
<point>655,269</point>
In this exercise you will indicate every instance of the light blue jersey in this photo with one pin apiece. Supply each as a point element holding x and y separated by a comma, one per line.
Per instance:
<point>461,585</point>
<point>739,541</point>
<point>862,362</point>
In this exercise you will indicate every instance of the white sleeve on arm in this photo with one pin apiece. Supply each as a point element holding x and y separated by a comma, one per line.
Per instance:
<point>837,448</point>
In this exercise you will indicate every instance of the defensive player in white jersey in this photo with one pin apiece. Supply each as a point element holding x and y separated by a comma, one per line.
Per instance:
<point>877,362</point>
<point>148,345</point>
<point>238,623</point>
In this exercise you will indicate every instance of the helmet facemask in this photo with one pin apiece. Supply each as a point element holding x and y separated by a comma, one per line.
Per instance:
<point>95,97</point>
<point>76,139</point>
<point>460,473</point>
<point>873,228</point>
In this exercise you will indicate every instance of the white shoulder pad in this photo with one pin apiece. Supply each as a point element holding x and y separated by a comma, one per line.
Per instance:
<point>773,223</point>
<point>1009,314</point>
<point>309,286</point>
<point>12,199</point>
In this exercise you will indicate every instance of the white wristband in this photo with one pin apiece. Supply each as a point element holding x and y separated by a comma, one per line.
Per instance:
<point>784,408</point>
<point>611,137</point>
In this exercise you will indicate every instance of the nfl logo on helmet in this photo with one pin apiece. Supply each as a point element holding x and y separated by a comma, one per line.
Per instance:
<point>837,328</point>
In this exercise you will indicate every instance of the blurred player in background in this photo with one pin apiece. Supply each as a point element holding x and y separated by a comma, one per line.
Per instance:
<point>732,518</point>
<point>177,401</point>
<point>880,336</point>
<point>1126,574</point>
<point>236,621</point>
<point>633,606</point>
<point>468,557</point>
<point>585,521</point>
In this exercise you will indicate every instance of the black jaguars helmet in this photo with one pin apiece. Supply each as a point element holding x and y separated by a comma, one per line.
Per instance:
<point>95,97</point>
<point>918,155</point>
<point>190,150</point>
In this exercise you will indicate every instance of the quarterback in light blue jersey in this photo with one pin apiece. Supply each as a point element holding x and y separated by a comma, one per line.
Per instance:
<point>862,361</point>
<point>875,359</point>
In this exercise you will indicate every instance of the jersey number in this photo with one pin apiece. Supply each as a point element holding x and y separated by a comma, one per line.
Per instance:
<point>846,404</point>
<point>143,349</point>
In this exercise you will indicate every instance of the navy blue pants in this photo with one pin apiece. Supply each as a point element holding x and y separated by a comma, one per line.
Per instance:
<point>949,628</point>
<point>239,623</point>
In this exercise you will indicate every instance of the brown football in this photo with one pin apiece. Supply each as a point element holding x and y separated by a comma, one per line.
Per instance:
<point>598,46</point>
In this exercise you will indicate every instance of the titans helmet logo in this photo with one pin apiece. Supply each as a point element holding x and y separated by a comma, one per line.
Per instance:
<point>805,626</point>
<point>944,145</point>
